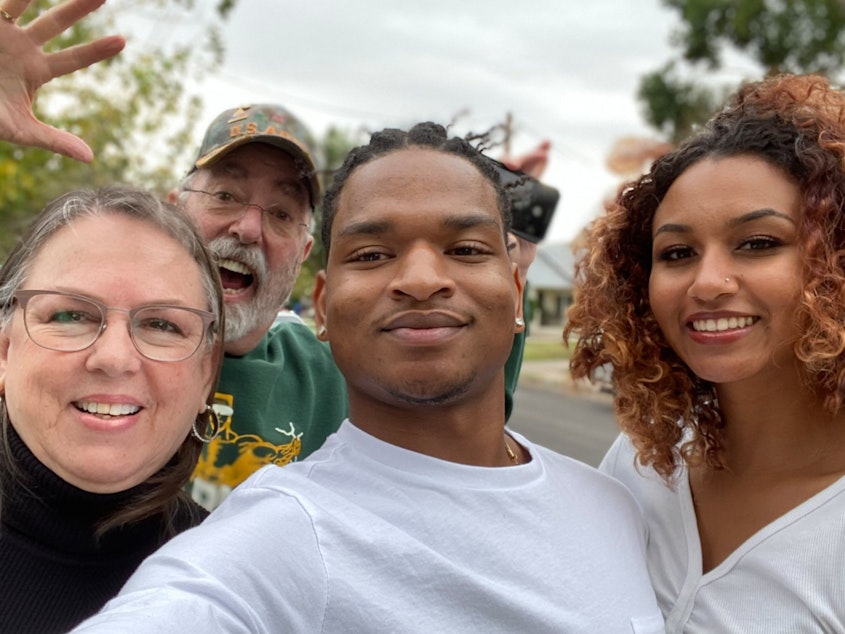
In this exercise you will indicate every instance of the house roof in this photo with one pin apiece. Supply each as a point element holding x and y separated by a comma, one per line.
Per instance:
<point>553,268</point>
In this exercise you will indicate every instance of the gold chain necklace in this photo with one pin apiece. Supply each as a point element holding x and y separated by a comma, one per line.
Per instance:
<point>511,454</point>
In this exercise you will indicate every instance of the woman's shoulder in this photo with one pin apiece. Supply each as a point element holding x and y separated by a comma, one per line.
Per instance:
<point>187,514</point>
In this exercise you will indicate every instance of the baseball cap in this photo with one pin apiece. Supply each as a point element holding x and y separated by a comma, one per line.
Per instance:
<point>259,123</point>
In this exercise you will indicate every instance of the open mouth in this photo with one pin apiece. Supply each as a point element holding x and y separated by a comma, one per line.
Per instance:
<point>107,409</point>
<point>235,276</point>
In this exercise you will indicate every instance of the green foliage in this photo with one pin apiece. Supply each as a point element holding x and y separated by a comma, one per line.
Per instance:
<point>675,106</point>
<point>135,111</point>
<point>782,35</point>
<point>779,35</point>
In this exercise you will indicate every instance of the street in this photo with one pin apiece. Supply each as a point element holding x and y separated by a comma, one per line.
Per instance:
<point>580,426</point>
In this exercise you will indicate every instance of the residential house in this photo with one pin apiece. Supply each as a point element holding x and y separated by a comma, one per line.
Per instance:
<point>550,284</point>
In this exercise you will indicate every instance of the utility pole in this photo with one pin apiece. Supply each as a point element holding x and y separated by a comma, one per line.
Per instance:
<point>508,130</point>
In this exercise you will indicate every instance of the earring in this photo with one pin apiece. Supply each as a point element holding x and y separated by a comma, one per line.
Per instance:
<point>321,331</point>
<point>519,321</point>
<point>208,420</point>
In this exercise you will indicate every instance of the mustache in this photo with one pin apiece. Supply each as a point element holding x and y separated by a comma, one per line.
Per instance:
<point>230,248</point>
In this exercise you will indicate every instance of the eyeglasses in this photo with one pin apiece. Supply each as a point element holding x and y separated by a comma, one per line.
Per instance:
<point>69,323</point>
<point>229,206</point>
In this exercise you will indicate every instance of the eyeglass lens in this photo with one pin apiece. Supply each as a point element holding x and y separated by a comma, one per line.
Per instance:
<point>69,323</point>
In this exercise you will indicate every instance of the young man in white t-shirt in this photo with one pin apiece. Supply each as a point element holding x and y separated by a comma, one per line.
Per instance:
<point>423,513</point>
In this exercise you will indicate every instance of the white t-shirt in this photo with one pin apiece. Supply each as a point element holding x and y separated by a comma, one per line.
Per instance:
<point>364,536</point>
<point>788,577</point>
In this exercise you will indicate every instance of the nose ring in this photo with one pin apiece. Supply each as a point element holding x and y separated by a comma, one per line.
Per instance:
<point>727,280</point>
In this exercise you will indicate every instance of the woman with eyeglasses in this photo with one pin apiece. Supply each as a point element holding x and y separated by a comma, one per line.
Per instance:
<point>110,347</point>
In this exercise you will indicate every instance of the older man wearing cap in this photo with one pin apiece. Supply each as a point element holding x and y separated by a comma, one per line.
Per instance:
<point>252,190</point>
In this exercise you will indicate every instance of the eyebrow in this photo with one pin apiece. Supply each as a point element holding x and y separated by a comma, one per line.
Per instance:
<point>735,222</point>
<point>760,213</point>
<point>177,300</point>
<point>227,168</point>
<point>294,186</point>
<point>456,222</point>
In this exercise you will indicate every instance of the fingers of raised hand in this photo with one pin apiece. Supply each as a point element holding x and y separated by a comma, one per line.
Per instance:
<point>55,140</point>
<point>58,19</point>
<point>55,21</point>
<point>25,67</point>
<point>76,57</point>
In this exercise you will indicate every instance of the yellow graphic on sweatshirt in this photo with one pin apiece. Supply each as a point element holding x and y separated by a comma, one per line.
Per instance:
<point>231,458</point>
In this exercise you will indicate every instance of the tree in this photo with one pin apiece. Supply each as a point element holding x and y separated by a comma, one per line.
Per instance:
<point>674,105</point>
<point>134,111</point>
<point>778,35</point>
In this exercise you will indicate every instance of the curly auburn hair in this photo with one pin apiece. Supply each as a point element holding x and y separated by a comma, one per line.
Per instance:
<point>796,123</point>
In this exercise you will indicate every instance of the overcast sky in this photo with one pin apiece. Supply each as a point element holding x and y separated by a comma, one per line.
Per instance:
<point>567,70</point>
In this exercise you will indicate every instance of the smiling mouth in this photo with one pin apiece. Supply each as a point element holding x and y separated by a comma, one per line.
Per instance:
<point>107,409</point>
<point>722,324</point>
<point>422,320</point>
<point>235,276</point>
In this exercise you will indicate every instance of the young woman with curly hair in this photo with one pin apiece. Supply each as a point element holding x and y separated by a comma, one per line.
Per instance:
<point>715,286</point>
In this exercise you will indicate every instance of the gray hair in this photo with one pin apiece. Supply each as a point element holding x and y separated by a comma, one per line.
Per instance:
<point>163,493</point>
<point>115,199</point>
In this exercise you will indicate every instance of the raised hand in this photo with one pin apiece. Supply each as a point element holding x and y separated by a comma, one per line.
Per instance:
<point>25,67</point>
<point>533,163</point>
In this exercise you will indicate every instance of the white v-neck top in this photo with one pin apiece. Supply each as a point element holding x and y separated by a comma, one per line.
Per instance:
<point>787,577</point>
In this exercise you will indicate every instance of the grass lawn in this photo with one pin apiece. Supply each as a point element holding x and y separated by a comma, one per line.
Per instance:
<point>545,350</point>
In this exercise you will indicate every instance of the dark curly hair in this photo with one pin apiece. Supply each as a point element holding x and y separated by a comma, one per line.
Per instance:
<point>426,135</point>
<point>797,124</point>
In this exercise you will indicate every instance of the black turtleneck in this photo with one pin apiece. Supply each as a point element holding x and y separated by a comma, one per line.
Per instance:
<point>54,573</point>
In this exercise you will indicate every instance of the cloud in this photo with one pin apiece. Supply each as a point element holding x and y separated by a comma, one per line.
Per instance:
<point>566,71</point>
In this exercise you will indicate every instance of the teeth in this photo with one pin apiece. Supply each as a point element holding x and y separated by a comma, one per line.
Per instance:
<point>723,323</point>
<point>110,409</point>
<point>234,266</point>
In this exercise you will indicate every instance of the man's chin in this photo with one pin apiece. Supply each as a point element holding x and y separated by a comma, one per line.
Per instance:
<point>429,394</point>
<point>242,320</point>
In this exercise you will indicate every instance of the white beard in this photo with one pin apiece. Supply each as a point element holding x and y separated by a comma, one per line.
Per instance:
<point>272,288</point>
